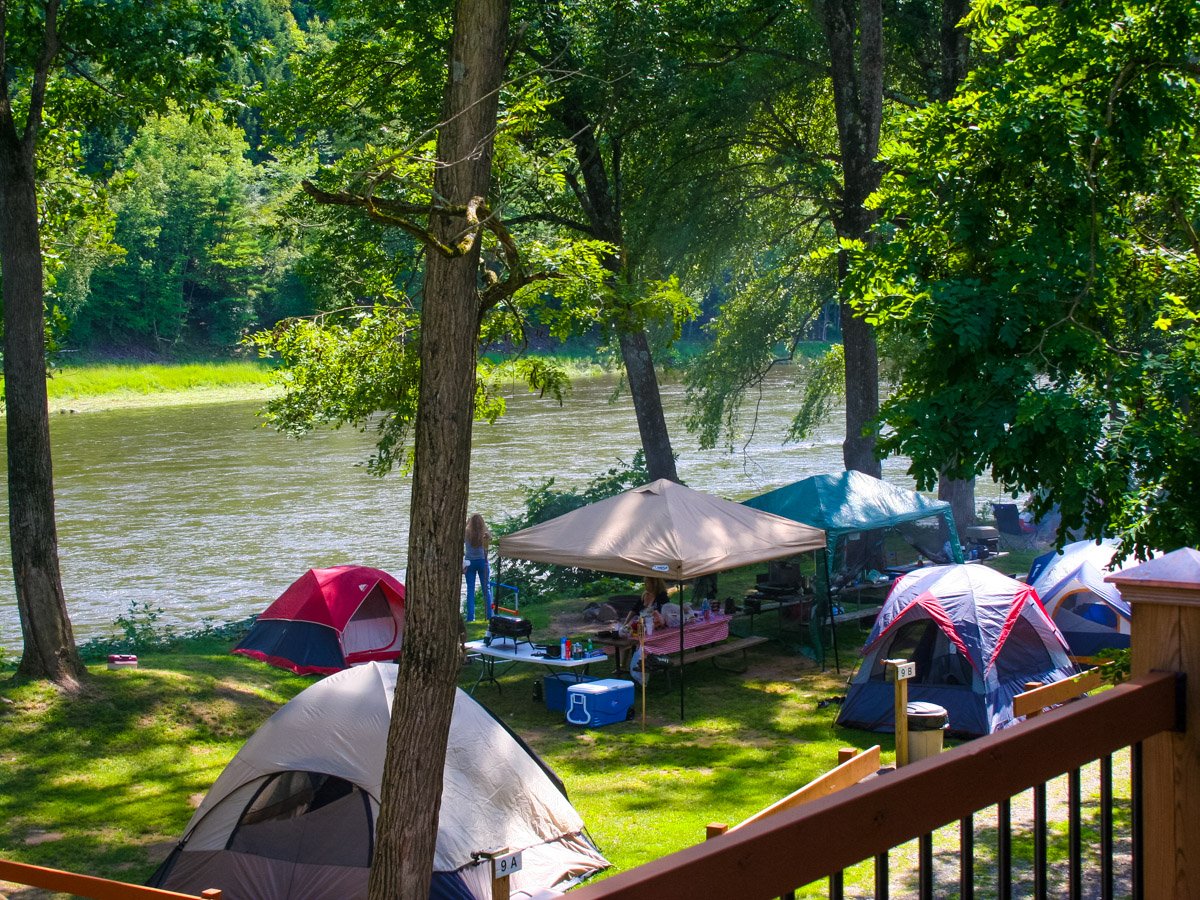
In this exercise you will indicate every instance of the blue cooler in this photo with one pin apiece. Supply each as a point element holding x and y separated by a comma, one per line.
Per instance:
<point>554,689</point>
<point>597,703</point>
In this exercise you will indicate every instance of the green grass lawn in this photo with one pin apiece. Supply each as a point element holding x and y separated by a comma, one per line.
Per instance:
<point>103,783</point>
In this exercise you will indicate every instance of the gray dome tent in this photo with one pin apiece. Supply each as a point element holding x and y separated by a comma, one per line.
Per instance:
<point>293,814</point>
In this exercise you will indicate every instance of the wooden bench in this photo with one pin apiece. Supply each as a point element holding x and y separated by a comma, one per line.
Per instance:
<point>714,651</point>
<point>855,615</point>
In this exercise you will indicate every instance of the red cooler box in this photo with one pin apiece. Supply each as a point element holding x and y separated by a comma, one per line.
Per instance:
<point>597,703</point>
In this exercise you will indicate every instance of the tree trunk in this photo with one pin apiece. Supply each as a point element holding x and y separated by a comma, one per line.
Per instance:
<point>601,204</point>
<point>960,494</point>
<point>647,404</point>
<point>858,106</point>
<point>429,667</point>
<point>49,643</point>
<point>955,43</point>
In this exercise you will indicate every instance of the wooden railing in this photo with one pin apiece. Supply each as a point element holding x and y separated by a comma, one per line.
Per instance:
<point>89,885</point>
<point>772,857</point>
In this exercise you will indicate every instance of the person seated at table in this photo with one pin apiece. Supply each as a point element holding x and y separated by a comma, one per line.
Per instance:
<point>646,610</point>
<point>658,588</point>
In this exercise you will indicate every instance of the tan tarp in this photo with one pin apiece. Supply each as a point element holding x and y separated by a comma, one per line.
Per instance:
<point>662,529</point>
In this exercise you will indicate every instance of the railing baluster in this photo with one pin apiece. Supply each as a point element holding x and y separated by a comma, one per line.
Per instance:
<point>1136,821</point>
<point>1004,849</point>
<point>1106,828</point>
<point>837,885</point>
<point>966,858</point>
<point>1074,836</point>
<point>925,866</point>
<point>881,876</point>
<point>1039,841</point>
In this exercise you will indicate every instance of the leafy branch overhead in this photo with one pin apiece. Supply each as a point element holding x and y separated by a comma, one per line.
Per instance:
<point>404,215</point>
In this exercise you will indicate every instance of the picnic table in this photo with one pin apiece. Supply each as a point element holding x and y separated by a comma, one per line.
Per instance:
<point>514,654</point>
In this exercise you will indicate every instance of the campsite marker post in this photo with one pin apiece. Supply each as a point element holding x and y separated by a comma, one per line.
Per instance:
<point>899,671</point>
<point>503,864</point>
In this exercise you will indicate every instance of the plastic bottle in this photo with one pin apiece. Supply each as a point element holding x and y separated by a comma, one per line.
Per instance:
<point>563,646</point>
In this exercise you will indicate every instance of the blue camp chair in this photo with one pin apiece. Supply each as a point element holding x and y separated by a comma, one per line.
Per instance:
<point>1013,531</point>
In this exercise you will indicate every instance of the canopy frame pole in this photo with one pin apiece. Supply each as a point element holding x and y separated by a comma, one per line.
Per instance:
<point>682,625</point>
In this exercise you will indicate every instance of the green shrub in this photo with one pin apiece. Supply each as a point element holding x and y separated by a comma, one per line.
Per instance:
<point>542,503</point>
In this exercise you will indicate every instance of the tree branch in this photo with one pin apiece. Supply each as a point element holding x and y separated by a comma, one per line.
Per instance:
<point>392,212</point>
<point>41,76</point>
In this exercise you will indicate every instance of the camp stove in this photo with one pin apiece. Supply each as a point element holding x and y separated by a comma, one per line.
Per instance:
<point>509,628</point>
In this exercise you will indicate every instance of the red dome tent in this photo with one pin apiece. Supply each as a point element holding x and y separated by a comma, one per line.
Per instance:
<point>328,620</point>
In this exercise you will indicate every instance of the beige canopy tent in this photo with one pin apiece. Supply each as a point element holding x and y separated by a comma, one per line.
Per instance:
<point>663,530</point>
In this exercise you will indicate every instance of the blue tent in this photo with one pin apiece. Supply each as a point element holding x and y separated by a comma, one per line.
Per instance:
<point>1090,613</point>
<point>977,637</point>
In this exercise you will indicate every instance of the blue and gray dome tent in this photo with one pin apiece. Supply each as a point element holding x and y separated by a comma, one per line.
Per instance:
<point>1089,612</point>
<point>977,637</point>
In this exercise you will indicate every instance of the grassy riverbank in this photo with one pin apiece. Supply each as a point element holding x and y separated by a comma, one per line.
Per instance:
<point>89,387</point>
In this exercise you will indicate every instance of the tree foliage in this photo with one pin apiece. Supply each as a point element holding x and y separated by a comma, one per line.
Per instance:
<point>1040,257</point>
<point>194,260</point>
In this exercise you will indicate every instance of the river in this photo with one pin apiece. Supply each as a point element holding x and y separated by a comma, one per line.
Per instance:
<point>206,514</point>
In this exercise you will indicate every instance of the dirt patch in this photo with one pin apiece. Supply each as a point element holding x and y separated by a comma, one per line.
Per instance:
<point>42,837</point>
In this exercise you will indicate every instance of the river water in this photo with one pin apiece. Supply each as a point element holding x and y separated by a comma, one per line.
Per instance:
<point>206,514</point>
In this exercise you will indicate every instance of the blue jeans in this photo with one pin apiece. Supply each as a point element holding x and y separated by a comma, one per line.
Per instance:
<point>478,568</point>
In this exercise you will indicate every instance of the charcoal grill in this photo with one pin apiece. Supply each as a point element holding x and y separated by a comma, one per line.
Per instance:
<point>510,628</point>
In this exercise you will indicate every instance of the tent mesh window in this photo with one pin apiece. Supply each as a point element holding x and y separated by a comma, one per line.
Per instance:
<point>294,814</point>
<point>1023,652</point>
<point>938,660</point>
<point>1086,607</point>
<point>373,627</point>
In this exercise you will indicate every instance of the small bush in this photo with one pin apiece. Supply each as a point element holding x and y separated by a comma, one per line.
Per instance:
<point>542,503</point>
<point>142,632</point>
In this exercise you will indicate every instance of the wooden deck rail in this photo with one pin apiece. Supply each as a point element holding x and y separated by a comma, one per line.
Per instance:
<point>851,770</point>
<point>797,846</point>
<point>89,885</point>
<point>1041,696</point>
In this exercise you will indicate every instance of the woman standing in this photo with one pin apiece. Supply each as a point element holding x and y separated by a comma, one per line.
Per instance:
<point>475,552</point>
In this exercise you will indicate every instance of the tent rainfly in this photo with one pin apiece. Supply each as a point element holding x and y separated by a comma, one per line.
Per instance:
<point>293,814</point>
<point>329,619</point>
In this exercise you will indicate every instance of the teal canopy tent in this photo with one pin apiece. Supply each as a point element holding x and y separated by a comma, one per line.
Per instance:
<point>851,507</point>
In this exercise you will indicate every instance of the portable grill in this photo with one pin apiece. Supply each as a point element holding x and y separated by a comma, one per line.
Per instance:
<point>510,628</point>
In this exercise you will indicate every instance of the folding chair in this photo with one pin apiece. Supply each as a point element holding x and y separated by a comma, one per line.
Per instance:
<point>1013,530</point>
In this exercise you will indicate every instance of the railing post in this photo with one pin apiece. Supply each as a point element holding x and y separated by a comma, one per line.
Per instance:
<point>1165,596</point>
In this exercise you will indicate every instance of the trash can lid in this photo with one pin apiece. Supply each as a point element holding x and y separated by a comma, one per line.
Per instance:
<point>923,716</point>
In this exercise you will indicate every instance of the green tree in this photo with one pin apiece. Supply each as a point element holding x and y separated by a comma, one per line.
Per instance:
<point>798,125</point>
<point>452,308</point>
<point>1038,254</point>
<point>194,257</point>
<point>86,61</point>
